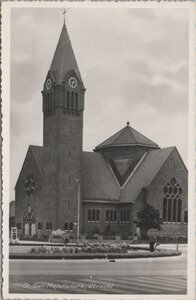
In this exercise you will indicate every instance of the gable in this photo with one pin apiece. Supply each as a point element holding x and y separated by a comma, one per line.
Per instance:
<point>32,164</point>
<point>173,167</point>
<point>144,173</point>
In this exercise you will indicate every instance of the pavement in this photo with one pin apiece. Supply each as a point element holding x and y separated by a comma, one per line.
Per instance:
<point>165,275</point>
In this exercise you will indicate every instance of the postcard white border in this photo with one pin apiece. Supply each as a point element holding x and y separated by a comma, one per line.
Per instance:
<point>6,7</point>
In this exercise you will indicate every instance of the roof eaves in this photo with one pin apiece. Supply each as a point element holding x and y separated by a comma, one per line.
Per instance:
<point>128,145</point>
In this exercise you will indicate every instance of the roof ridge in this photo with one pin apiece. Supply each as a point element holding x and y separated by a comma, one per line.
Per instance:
<point>143,136</point>
<point>130,129</point>
<point>117,133</point>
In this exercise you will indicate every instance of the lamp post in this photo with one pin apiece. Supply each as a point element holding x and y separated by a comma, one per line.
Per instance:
<point>78,228</point>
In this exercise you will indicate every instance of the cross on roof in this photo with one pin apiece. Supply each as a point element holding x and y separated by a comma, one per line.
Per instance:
<point>64,12</point>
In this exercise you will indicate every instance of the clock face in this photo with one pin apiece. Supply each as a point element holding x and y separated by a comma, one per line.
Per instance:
<point>48,83</point>
<point>73,82</point>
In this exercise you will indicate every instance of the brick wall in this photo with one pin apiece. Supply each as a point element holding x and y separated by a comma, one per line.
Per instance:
<point>173,167</point>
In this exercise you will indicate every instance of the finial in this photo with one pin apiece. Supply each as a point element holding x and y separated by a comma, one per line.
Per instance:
<point>64,12</point>
<point>128,123</point>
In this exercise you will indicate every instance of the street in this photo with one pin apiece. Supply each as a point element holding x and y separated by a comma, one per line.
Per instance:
<point>165,275</point>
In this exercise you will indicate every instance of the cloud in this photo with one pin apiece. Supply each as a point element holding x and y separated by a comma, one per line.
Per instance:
<point>134,64</point>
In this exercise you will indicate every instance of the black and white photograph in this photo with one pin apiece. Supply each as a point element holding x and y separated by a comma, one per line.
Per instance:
<point>98,150</point>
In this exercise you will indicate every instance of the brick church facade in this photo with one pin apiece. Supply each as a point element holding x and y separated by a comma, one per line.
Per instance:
<point>107,187</point>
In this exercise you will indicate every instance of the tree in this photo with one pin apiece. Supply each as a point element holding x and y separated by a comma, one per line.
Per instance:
<point>148,218</point>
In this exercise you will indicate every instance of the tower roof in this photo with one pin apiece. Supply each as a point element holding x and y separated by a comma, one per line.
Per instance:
<point>127,136</point>
<point>64,59</point>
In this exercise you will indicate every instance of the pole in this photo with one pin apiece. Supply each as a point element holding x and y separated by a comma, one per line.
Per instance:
<point>78,228</point>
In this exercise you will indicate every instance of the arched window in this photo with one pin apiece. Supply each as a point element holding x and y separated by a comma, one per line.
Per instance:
<point>165,209</point>
<point>115,218</point>
<point>169,209</point>
<point>89,215</point>
<point>76,101</point>
<point>111,215</point>
<point>93,215</point>
<point>97,216</point>
<point>66,226</point>
<point>179,209</point>
<point>72,100</point>
<point>171,204</point>
<point>70,226</point>
<point>50,226</point>
<point>174,210</point>
<point>68,99</point>
<point>47,226</point>
<point>107,215</point>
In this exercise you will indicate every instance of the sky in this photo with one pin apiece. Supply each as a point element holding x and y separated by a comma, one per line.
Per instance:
<point>134,65</point>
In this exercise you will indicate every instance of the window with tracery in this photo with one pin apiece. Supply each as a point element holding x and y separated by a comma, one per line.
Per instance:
<point>172,203</point>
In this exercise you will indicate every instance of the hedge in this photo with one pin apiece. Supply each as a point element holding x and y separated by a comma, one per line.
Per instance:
<point>134,254</point>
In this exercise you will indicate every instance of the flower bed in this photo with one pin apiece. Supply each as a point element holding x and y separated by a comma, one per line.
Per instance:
<point>85,248</point>
<point>90,251</point>
<point>134,254</point>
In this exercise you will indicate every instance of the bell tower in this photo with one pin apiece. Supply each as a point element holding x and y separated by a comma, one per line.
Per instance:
<point>63,105</point>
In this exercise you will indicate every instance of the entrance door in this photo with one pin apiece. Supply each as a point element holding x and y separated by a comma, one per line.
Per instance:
<point>33,229</point>
<point>27,228</point>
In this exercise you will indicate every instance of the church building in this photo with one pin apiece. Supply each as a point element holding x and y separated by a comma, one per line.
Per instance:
<point>60,186</point>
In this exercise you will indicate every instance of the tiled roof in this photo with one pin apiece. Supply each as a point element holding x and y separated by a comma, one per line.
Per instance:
<point>98,182</point>
<point>64,59</point>
<point>38,154</point>
<point>145,173</point>
<point>127,137</point>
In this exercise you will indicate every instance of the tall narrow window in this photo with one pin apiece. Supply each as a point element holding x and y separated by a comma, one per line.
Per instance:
<point>186,216</point>
<point>179,210</point>
<point>93,215</point>
<point>121,216</point>
<point>68,99</point>
<point>71,226</point>
<point>50,226</point>
<point>107,215</point>
<point>66,226</point>
<point>174,210</point>
<point>76,101</point>
<point>97,215</point>
<point>89,215</point>
<point>72,100</point>
<point>115,218</point>
<point>164,209</point>
<point>111,215</point>
<point>127,215</point>
<point>169,209</point>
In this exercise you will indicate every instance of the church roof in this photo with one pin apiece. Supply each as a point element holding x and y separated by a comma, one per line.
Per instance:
<point>145,173</point>
<point>64,59</point>
<point>127,136</point>
<point>98,182</point>
<point>38,154</point>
